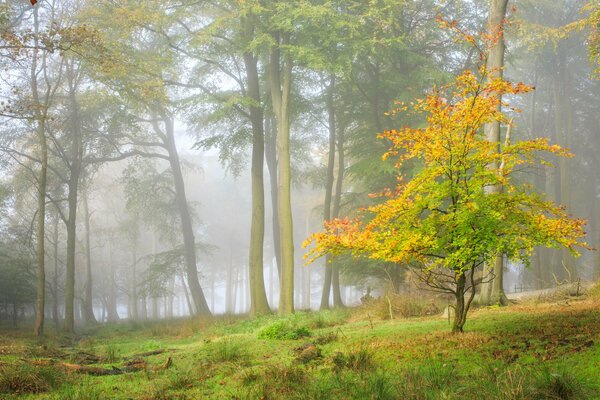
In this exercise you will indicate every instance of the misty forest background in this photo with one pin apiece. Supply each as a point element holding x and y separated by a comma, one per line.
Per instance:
<point>145,146</point>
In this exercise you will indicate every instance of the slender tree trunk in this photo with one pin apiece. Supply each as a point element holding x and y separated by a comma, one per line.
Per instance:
<point>563,117</point>
<point>325,294</point>
<point>281,83</point>
<point>271,158</point>
<point>113,314</point>
<point>73,186</point>
<point>88,305</point>
<point>133,295</point>
<point>337,200</point>
<point>55,312</point>
<point>189,242</point>
<point>42,182</point>
<point>492,292</point>
<point>187,296</point>
<point>229,303</point>
<point>258,296</point>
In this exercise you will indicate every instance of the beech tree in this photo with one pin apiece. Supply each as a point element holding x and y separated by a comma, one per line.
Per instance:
<point>444,224</point>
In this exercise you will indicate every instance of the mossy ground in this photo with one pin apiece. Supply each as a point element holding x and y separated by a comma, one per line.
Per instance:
<point>534,351</point>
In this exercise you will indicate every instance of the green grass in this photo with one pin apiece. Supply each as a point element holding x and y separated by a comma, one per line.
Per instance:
<point>537,351</point>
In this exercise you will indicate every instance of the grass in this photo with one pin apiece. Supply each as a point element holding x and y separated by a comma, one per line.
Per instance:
<point>529,351</point>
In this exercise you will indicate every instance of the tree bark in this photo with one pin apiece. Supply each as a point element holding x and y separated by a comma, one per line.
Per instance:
<point>133,300</point>
<point>42,183</point>
<point>325,294</point>
<point>258,295</point>
<point>73,186</point>
<point>113,314</point>
<point>189,242</point>
<point>271,158</point>
<point>492,292</point>
<point>563,119</point>
<point>88,305</point>
<point>281,83</point>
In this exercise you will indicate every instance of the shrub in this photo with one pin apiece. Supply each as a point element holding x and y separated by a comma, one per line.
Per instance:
<point>226,350</point>
<point>359,360</point>
<point>23,378</point>
<point>283,330</point>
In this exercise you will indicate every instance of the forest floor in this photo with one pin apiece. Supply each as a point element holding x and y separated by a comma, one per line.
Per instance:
<point>531,350</point>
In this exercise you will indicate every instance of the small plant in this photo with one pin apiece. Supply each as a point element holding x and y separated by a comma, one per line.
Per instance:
<point>324,338</point>
<point>559,385</point>
<point>283,330</point>
<point>82,391</point>
<point>23,378</point>
<point>359,360</point>
<point>283,382</point>
<point>111,353</point>
<point>431,380</point>
<point>227,350</point>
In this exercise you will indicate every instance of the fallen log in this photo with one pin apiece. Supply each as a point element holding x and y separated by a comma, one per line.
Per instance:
<point>95,371</point>
<point>146,354</point>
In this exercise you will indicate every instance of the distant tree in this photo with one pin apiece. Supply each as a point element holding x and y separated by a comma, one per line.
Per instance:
<point>443,223</point>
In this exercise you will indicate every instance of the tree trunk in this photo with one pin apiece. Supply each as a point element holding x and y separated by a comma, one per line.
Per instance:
<point>113,314</point>
<point>258,295</point>
<point>271,158</point>
<point>337,200</point>
<point>325,294</point>
<point>55,313</point>
<point>73,186</point>
<point>133,311</point>
<point>88,305</point>
<point>189,242</point>
<point>281,83</point>
<point>42,181</point>
<point>492,292</point>
<point>563,118</point>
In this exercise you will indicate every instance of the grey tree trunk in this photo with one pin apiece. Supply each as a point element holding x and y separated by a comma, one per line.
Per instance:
<point>337,200</point>
<point>492,291</point>
<point>271,158</point>
<point>40,111</point>
<point>281,83</point>
<point>113,314</point>
<point>327,279</point>
<point>88,305</point>
<point>258,295</point>
<point>563,120</point>
<point>201,306</point>
<point>133,295</point>
<point>73,186</point>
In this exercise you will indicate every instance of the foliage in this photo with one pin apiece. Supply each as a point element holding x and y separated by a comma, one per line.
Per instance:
<point>17,282</point>
<point>283,330</point>
<point>22,378</point>
<point>444,222</point>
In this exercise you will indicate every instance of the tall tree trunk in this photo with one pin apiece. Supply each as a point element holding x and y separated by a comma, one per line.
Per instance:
<point>492,292</point>
<point>88,305</point>
<point>75,166</point>
<point>563,117</point>
<point>42,182</point>
<point>258,295</point>
<point>325,294</point>
<point>189,242</point>
<point>281,83</point>
<point>337,200</point>
<point>271,158</point>
<point>229,289</point>
<point>133,295</point>
<point>113,314</point>
<point>55,312</point>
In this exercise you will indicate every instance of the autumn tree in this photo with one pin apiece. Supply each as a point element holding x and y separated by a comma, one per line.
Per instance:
<point>443,224</point>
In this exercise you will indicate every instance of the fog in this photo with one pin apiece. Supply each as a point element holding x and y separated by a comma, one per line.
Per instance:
<point>149,151</point>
